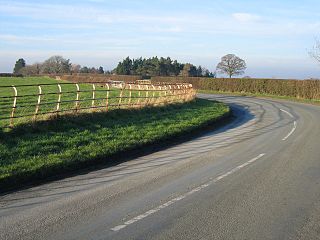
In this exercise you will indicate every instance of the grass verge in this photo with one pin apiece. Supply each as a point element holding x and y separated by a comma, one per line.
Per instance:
<point>300,100</point>
<point>35,152</point>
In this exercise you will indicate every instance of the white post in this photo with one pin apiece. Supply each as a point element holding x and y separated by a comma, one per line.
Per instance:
<point>93,94</point>
<point>38,103</point>
<point>78,97</point>
<point>59,98</point>
<point>14,106</point>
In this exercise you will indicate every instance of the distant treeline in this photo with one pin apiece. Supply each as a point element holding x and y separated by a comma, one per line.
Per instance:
<point>306,89</point>
<point>10,75</point>
<point>100,77</point>
<point>148,67</point>
<point>145,67</point>
<point>55,65</point>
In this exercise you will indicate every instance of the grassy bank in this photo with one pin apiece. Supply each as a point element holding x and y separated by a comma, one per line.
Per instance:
<point>294,99</point>
<point>33,152</point>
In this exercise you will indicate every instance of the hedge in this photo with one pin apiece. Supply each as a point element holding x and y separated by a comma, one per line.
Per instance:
<point>306,89</point>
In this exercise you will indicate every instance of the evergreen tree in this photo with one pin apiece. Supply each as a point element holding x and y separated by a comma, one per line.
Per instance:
<point>20,63</point>
<point>100,70</point>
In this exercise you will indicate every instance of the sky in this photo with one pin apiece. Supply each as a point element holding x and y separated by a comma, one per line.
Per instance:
<point>272,36</point>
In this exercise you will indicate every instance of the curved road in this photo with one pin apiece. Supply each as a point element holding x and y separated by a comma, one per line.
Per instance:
<point>256,178</point>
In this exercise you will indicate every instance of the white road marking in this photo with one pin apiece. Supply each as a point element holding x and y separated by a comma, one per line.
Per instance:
<point>179,198</point>
<point>287,113</point>
<point>294,125</point>
<point>291,132</point>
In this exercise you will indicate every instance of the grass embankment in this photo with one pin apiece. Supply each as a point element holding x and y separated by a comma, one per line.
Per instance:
<point>32,152</point>
<point>294,99</point>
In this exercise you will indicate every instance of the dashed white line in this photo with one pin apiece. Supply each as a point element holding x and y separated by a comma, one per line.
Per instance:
<point>294,125</point>
<point>291,132</point>
<point>287,113</point>
<point>179,198</point>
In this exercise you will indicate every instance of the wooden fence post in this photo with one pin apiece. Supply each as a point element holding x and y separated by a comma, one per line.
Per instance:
<point>130,94</point>
<point>139,96</point>
<point>38,103</point>
<point>159,96</point>
<point>14,106</point>
<point>123,86</point>
<point>93,94</point>
<point>147,96</point>
<point>59,99</point>
<point>153,94</point>
<point>179,92</point>
<point>78,97</point>
<point>107,98</point>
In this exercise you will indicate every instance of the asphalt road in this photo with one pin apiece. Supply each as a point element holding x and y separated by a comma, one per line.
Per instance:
<point>256,178</point>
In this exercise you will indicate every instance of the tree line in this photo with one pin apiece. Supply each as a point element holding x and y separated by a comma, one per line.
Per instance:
<point>155,66</point>
<point>145,67</point>
<point>54,65</point>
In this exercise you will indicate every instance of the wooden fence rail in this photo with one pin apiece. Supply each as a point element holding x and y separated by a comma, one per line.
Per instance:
<point>34,102</point>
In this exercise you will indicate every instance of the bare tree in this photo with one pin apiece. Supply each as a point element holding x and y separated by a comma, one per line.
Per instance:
<point>56,65</point>
<point>33,69</point>
<point>75,68</point>
<point>231,65</point>
<point>315,51</point>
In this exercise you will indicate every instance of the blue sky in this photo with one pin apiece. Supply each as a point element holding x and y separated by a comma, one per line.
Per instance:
<point>273,36</point>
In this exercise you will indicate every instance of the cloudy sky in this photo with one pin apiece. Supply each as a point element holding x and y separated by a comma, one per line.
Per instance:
<point>272,36</point>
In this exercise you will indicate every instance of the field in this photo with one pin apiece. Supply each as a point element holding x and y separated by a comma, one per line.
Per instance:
<point>26,104</point>
<point>34,151</point>
<point>47,100</point>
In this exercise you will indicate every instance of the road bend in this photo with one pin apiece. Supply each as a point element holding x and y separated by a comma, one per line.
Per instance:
<point>256,178</point>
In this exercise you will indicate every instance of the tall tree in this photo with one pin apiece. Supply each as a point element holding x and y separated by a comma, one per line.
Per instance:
<point>124,67</point>
<point>189,70</point>
<point>176,68</point>
<point>231,65</point>
<point>100,70</point>
<point>20,63</point>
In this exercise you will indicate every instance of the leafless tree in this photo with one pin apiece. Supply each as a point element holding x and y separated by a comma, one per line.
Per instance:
<point>56,65</point>
<point>315,51</point>
<point>33,69</point>
<point>75,68</point>
<point>231,65</point>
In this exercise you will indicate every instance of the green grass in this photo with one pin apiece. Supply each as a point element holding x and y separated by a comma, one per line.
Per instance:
<point>36,151</point>
<point>300,100</point>
<point>26,104</point>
